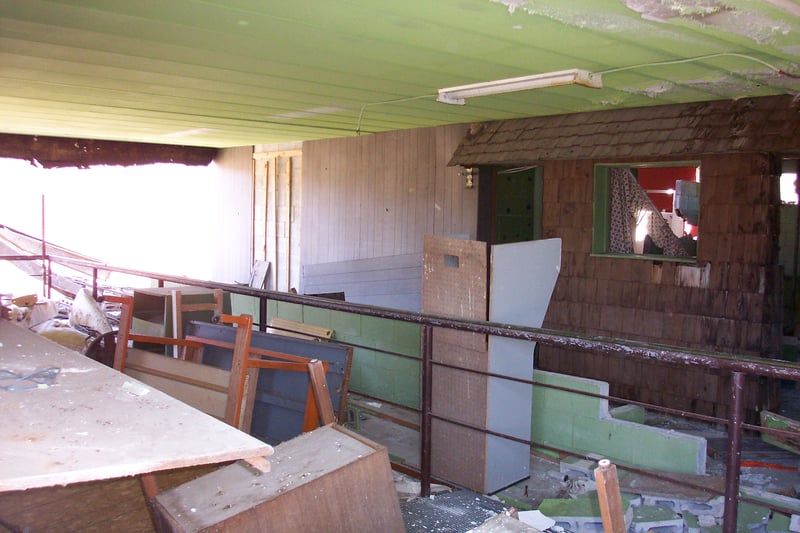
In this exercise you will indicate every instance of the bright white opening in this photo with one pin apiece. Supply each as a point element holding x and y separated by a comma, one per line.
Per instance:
<point>149,217</point>
<point>788,189</point>
<point>642,225</point>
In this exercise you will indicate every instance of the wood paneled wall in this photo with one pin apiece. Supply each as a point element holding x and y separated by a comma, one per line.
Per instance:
<point>377,195</point>
<point>738,310</point>
<point>234,168</point>
<point>277,202</point>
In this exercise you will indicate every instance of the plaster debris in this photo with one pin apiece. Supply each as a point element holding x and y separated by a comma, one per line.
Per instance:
<point>536,519</point>
<point>656,518</point>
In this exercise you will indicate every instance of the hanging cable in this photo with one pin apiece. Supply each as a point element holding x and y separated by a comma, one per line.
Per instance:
<point>698,58</point>
<point>398,101</point>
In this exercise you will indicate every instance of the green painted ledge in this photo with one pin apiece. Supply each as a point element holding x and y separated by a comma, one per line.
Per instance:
<point>583,425</point>
<point>565,420</point>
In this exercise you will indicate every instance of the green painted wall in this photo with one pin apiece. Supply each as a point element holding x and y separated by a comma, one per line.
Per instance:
<point>582,424</point>
<point>565,420</point>
<point>374,373</point>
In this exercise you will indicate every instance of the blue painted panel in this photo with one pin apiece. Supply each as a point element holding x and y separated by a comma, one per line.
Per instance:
<point>280,394</point>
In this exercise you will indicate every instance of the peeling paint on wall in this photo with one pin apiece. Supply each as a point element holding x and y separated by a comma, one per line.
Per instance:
<point>595,19</point>
<point>748,23</point>
<point>663,11</point>
<point>719,86</point>
<point>512,5</point>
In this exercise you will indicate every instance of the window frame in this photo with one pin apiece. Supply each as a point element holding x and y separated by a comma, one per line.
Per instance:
<point>601,210</point>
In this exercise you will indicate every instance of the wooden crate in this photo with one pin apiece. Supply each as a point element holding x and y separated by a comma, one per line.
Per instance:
<point>329,479</point>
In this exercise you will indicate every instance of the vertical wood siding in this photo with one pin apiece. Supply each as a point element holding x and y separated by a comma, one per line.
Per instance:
<point>233,219</point>
<point>378,195</point>
<point>277,202</point>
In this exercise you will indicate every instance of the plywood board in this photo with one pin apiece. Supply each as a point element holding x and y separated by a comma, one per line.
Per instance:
<point>96,423</point>
<point>455,285</point>
<point>201,386</point>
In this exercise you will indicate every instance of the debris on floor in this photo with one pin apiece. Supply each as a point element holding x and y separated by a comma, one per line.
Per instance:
<point>451,512</point>
<point>506,522</point>
<point>409,488</point>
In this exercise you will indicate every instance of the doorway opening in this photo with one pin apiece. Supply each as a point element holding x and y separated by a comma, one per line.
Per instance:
<point>510,204</point>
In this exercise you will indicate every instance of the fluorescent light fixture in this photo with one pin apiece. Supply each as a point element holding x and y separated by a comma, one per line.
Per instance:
<point>457,95</point>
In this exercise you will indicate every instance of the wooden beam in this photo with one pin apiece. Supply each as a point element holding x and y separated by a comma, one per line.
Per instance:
<point>610,500</point>
<point>54,152</point>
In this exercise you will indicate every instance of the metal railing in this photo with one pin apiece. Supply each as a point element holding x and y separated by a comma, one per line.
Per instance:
<point>737,366</point>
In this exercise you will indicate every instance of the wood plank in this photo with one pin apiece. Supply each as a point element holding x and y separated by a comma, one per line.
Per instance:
<point>200,386</point>
<point>329,479</point>
<point>789,439</point>
<point>609,497</point>
<point>282,326</point>
<point>319,386</point>
<point>96,423</point>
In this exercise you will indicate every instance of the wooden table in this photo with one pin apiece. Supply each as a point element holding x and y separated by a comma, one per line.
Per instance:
<point>96,423</point>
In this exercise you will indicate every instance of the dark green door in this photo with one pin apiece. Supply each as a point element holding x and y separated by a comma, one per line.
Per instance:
<point>510,204</point>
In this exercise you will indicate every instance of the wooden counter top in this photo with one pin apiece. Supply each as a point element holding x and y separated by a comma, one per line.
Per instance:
<point>96,423</point>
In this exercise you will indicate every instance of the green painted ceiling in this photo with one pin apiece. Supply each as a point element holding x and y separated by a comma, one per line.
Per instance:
<point>241,72</point>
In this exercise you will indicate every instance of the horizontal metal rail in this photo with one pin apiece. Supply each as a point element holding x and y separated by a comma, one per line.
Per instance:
<point>737,366</point>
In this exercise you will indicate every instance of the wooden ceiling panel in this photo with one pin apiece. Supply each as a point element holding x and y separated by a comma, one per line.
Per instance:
<point>239,72</point>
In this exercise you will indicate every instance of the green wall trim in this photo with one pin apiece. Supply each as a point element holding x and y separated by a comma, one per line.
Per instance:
<point>565,420</point>
<point>583,425</point>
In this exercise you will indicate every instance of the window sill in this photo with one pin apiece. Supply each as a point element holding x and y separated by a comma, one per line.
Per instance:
<point>649,257</point>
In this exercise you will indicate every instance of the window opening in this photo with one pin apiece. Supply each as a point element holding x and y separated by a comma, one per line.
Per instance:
<point>647,210</point>
<point>788,188</point>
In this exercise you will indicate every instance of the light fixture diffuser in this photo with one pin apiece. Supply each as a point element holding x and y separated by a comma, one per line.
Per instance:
<point>457,95</point>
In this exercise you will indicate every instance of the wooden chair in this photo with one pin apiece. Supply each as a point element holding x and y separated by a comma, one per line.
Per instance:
<point>240,347</point>
<point>241,379</point>
<point>180,306</point>
<point>237,385</point>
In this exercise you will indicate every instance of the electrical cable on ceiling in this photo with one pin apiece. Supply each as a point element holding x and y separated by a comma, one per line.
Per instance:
<point>398,101</point>
<point>698,58</point>
<point>608,71</point>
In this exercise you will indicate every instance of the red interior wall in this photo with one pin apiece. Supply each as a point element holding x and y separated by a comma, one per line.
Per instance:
<point>664,178</point>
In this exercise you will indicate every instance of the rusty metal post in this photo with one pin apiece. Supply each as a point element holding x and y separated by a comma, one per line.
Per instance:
<point>262,313</point>
<point>45,266</point>
<point>94,283</point>
<point>425,415</point>
<point>48,276</point>
<point>735,421</point>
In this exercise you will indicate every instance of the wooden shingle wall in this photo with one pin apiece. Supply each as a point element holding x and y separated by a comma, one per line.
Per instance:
<point>722,126</point>
<point>727,302</point>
